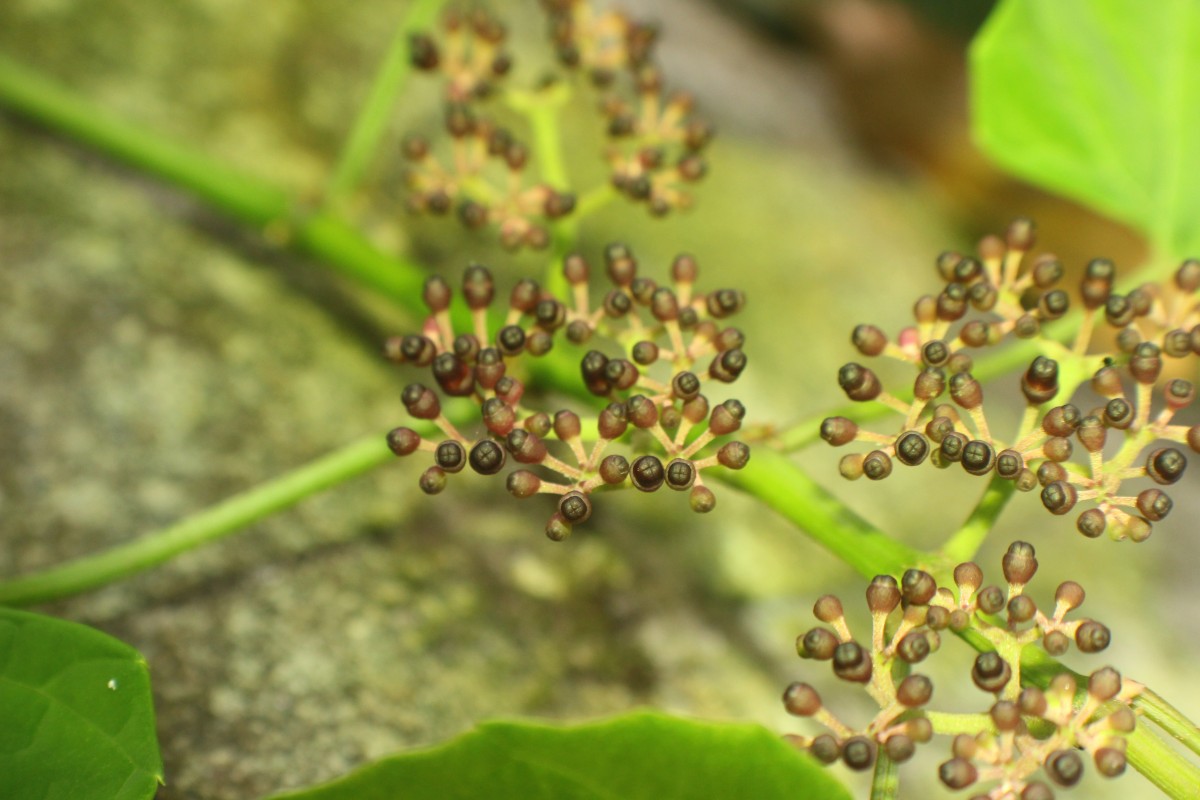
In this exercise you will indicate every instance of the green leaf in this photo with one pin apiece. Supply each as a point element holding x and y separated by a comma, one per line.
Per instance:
<point>1098,100</point>
<point>78,721</point>
<point>637,756</point>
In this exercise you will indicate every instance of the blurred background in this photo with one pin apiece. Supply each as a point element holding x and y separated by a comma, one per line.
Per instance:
<point>158,357</point>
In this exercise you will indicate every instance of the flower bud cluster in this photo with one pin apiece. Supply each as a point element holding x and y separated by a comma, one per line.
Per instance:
<point>655,147</point>
<point>909,619</point>
<point>666,344</point>
<point>483,180</point>
<point>984,301</point>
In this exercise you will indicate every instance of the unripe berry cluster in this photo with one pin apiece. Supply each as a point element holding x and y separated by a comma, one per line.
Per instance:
<point>654,147</point>
<point>984,301</point>
<point>484,180</point>
<point>908,620</point>
<point>665,344</point>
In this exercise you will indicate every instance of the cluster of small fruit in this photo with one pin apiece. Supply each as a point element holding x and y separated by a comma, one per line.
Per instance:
<point>675,346</point>
<point>1030,729</point>
<point>1152,323</point>
<point>484,180</point>
<point>655,146</point>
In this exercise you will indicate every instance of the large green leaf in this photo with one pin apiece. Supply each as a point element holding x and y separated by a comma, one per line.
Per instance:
<point>76,718</point>
<point>1098,100</point>
<point>637,756</point>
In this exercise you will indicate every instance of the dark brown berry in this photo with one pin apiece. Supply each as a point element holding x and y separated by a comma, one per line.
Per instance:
<point>852,663</point>
<point>899,748</point>
<point>1064,767</point>
<point>1154,504</point>
<point>883,594</point>
<point>859,753</point>
<point>432,480</point>
<point>450,456</point>
<point>733,455</point>
<point>1021,609</point>
<point>817,643</point>
<point>957,773</point>
<point>838,431</point>
<point>825,749</point>
<point>877,465</point>
<point>1165,466</point>
<point>911,448</point>
<point>1059,497</point>
<point>1092,637</point>
<point>680,475</point>
<point>575,507</point>
<point>702,500</point>
<point>1062,420</point>
<point>1019,563</point>
<point>487,457</point>
<point>420,402</point>
<point>1010,464</point>
<point>965,390</point>
<point>801,700</point>
<point>647,473</point>
<point>858,382</point>
<point>1146,363</point>
<point>917,587</point>
<point>1110,762</point>
<point>726,417</point>
<point>523,483</point>
<point>991,672</point>
<point>1039,384</point>
<point>990,600</point>
<point>557,528</point>
<point>1091,523</point>
<point>868,340</point>
<point>403,441</point>
<point>914,647</point>
<point>978,457</point>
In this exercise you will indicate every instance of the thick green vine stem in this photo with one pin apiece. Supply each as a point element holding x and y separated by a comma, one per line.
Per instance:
<point>778,483</point>
<point>202,528</point>
<point>966,541</point>
<point>255,202</point>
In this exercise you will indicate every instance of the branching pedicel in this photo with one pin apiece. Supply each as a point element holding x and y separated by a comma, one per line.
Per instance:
<point>675,344</point>
<point>984,301</point>
<point>1026,729</point>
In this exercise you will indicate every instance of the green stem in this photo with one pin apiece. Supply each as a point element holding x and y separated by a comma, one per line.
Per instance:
<point>48,103</point>
<point>372,119</point>
<point>1169,718</point>
<point>207,526</point>
<point>966,541</point>
<point>251,200</point>
<point>784,487</point>
<point>885,783</point>
<point>1162,765</point>
<point>947,723</point>
<point>541,108</point>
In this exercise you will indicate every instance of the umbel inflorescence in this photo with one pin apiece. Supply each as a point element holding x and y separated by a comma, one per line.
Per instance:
<point>652,351</point>
<point>1027,730</point>
<point>1126,433</point>
<point>653,146</point>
